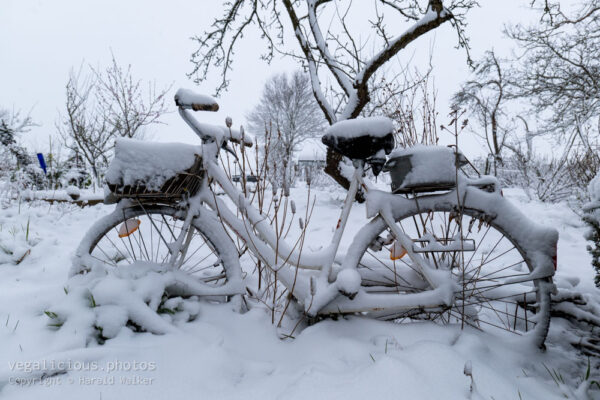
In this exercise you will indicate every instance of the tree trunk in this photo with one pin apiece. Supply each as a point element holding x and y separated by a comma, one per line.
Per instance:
<point>332,168</point>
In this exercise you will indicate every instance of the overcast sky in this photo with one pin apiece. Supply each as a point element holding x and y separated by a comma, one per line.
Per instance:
<point>41,40</point>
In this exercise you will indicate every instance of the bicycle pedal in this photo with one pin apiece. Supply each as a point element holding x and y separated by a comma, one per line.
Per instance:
<point>351,296</point>
<point>378,243</point>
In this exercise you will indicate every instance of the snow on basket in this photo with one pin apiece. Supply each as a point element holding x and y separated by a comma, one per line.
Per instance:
<point>163,171</point>
<point>423,168</point>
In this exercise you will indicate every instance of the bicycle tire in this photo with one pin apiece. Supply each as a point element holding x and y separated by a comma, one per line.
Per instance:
<point>396,277</point>
<point>212,258</point>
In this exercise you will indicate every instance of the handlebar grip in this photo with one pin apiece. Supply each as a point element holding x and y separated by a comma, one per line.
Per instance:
<point>204,107</point>
<point>188,100</point>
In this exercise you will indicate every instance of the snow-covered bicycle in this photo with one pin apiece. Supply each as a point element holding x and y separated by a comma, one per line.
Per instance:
<point>440,246</point>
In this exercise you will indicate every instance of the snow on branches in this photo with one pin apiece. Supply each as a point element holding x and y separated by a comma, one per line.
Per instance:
<point>338,52</point>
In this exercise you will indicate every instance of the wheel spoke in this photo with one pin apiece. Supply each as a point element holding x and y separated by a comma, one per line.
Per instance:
<point>148,244</point>
<point>488,299</point>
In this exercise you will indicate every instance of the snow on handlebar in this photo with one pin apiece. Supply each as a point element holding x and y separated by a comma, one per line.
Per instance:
<point>186,100</point>
<point>189,100</point>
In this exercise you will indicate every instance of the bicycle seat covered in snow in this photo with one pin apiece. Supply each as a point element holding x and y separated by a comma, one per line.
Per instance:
<point>359,139</point>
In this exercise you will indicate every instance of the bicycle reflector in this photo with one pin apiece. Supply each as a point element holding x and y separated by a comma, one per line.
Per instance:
<point>128,227</point>
<point>397,251</point>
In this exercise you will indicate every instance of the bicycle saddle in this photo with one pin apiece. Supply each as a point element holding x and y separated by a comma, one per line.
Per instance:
<point>360,139</point>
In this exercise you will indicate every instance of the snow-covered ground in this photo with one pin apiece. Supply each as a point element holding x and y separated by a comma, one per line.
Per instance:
<point>226,355</point>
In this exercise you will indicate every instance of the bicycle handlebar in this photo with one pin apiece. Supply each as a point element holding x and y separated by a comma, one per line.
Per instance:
<point>189,100</point>
<point>186,100</point>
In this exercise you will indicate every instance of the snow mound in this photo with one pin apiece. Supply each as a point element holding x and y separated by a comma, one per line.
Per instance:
<point>594,188</point>
<point>151,163</point>
<point>99,304</point>
<point>594,192</point>
<point>16,243</point>
<point>371,126</point>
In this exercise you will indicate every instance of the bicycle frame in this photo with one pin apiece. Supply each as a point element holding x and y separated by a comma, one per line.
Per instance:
<point>320,289</point>
<point>361,280</point>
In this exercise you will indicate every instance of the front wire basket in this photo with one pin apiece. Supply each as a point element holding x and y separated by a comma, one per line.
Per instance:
<point>173,190</point>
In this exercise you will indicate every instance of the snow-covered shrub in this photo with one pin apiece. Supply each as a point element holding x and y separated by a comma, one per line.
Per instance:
<point>78,177</point>
<point>591,217</point>
<point>99,304</point>
<point>75,173</point>
<point>541,177</point>
<point>550,178</point>
<point>17,176</point>
<point>314,175</point>
<point>583,164</point>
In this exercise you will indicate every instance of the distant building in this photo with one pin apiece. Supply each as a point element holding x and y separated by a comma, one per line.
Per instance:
<point>310,158</point>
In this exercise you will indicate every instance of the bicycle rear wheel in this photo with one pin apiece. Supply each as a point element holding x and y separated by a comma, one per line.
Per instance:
<point>496,291</point>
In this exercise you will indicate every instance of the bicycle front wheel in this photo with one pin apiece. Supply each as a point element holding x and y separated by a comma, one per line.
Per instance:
<point>153,235</point>
<point>496,291</point>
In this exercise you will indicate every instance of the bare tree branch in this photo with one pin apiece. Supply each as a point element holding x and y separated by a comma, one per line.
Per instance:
<point>558,72</point>
<point>485,96</point>
<point>127,107</point>
<point>334,52</point>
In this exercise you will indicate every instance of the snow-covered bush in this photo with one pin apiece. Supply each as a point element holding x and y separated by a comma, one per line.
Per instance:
<point>78,177</point>
<point>541,177</point>
<point>314,175</point>
<point>16,165</point>
<point>591,216</point>
<point>99,304</point>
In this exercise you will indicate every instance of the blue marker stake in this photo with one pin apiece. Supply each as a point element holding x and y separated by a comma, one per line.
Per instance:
<point>42,162</point>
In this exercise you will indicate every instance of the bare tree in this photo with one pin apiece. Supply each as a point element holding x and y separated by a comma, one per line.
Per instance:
<point>126,106</point>
<point>335,53</point>
<point>559,71</point>
<point>485,96</point>
<point>103,105</point>
<point>557,74</point>
<point>84,127</point>
<point>286,105</point>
